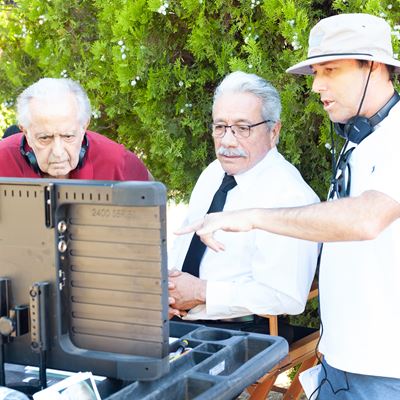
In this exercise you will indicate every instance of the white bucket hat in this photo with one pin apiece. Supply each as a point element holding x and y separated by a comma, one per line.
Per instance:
<point>348,36</point>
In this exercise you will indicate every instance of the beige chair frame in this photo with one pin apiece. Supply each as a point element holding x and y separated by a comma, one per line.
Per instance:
<point>300,352</point>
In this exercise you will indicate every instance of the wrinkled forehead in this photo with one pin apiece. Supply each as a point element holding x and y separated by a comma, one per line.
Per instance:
<point>54,111</point>
<point>241,105</point>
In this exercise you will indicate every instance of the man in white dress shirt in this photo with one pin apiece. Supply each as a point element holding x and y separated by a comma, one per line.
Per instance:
<point>260,272</point>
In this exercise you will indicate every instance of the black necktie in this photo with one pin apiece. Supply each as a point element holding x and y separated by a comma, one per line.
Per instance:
<point>197,247</point>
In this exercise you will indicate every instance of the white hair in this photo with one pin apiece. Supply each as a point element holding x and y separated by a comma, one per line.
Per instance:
<point>48,89</point>
<point>242,82</point>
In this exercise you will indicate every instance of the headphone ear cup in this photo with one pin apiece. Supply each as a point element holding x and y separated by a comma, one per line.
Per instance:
<point>29,156</point>
<point>356,129</point>
<point>360,128</point>
<point>344,130</point>
<point>82,153</point>
<point>339,129</point>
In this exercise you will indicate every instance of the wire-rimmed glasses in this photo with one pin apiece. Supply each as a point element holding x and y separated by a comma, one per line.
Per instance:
<point>240,130</point>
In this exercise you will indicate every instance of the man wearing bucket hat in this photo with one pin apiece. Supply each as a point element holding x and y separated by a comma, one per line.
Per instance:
<point>351,58</point>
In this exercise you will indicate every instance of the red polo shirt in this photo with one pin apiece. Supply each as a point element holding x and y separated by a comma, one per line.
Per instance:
<point>104,160</point>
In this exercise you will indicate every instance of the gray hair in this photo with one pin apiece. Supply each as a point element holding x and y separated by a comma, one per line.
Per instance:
<point>48,88</point>
<point>239,82</point>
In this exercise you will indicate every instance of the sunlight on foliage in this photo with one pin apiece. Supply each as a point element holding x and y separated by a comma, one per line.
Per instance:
<point>150,68</point>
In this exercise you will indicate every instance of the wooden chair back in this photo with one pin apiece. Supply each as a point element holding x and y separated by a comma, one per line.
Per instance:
<point>300,352</point>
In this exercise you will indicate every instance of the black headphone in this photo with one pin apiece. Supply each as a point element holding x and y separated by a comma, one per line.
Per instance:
<point>357,128</point>
<point>30,157</point>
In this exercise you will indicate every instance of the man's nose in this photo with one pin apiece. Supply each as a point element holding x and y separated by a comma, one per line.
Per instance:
<point>58,147</point>
<point>229,139</point>
<point>319,84</point>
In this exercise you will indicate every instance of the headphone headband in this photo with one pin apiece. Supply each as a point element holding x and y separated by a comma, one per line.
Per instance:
<point>358,128</point>
<point>384,111</point>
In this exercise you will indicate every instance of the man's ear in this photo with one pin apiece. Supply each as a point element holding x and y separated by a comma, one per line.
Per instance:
<point>27,136</point>
<point>84,129</point>
<point>375,65</point>
<point>275,132</point>
<point>86,125</point>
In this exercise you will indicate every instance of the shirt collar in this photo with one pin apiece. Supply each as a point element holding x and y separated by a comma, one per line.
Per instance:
<point>250,175</point>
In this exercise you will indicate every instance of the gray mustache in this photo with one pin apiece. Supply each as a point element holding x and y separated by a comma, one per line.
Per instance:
<point>223,151</point>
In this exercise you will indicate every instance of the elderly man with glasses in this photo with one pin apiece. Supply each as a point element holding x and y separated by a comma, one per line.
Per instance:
<point>259,273</point>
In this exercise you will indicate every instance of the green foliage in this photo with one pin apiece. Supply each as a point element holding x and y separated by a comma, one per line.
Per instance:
<point>150,68</point>
<point>310,316</point>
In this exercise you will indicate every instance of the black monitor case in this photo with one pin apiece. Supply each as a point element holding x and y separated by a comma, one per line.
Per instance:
<point>101,247</point>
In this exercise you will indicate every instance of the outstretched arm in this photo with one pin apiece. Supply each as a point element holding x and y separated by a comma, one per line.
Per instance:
<point>356,218</point>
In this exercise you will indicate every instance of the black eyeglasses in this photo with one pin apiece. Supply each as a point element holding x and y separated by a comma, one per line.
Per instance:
<point>340,184</point>
<point>241,130</point>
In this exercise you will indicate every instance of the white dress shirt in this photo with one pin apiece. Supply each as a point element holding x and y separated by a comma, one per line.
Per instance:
<point>259,272</point>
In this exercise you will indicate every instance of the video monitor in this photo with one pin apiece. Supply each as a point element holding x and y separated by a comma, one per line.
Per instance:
<point>83,276</point>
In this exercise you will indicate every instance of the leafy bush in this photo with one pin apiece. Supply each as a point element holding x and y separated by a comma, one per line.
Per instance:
<point>150,68</point>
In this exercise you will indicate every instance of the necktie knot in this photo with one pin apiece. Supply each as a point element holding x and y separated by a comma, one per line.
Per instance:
<point>228,183</point>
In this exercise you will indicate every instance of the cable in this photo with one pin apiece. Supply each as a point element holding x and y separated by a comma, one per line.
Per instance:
<point>333,149</point>
<point>325,379</point>
<point>42,369</point>
<point>2,367</point>
<point>335,165</point>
